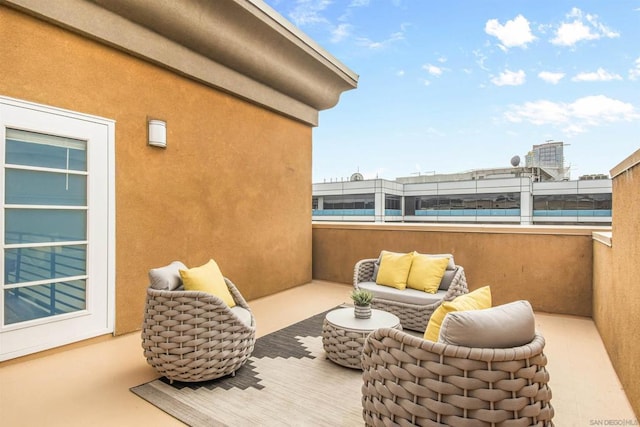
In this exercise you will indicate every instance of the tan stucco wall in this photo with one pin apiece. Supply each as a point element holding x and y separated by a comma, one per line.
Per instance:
<point>603,290</point>
<point>234,183</point>
<point>616,309</point>
<point>553,271</point>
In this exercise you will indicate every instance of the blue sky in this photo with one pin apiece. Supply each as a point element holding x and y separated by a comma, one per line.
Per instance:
<point>449,86</point>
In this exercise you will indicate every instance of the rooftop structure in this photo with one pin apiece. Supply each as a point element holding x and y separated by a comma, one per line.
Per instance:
<point>239,94</point>
<point>549,157</point>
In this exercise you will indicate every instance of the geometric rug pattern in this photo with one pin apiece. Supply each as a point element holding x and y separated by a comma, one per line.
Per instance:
<point>287,381</point>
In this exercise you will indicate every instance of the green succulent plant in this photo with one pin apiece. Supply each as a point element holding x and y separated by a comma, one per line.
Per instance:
<point>361,297</point>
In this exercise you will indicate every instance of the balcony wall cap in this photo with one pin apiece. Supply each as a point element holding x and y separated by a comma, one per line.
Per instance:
<point>626,164</point>
<point>568,230</point>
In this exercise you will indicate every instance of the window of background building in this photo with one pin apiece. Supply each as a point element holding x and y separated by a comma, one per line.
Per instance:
<point>392,202</point>
<point>352,201</point>
<point>462,201</point>
<point>572,202</point>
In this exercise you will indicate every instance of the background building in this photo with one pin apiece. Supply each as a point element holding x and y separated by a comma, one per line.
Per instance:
<point>538,193</point>
<point>549,157</point>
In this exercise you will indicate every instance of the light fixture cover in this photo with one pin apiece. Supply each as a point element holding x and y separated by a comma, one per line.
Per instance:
<point>158,133</point>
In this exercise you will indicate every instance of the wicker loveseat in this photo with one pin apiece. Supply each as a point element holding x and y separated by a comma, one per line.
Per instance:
<point>414,308</point>
<point>411,381</point>
<point>194,336</point>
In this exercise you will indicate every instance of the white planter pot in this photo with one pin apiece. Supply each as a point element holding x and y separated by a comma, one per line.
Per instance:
<point>362,311</point>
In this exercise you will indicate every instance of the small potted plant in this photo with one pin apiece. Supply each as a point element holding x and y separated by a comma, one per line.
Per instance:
<point>362,303</point>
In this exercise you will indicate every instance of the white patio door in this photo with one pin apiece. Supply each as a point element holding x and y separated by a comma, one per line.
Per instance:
<point>55,222</point>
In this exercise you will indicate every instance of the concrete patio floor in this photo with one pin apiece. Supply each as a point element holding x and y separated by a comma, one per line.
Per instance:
<point>88,385</point>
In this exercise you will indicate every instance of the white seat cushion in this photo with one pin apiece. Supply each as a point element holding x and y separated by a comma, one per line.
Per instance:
<point>166,278</point>
<point>243,314</point>
<point>407,296</point>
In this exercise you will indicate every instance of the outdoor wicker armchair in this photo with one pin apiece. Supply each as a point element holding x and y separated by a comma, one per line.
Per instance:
<point>194,336</point>
<point>414,313</point>
<point>411,381</point>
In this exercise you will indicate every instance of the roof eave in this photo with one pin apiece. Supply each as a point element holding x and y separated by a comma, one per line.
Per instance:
<point>240,46</point>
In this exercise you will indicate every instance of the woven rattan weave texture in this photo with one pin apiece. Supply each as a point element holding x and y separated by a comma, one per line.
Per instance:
<point>411,381</point>
<point>194,336</point>
<point>412,316</point>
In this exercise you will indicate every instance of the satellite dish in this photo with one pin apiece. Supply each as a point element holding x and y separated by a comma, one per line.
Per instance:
<point>515,161</point>
<point>356,177</point>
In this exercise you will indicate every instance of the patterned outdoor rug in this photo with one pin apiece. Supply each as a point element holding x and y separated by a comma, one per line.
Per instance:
<point>288,381</point>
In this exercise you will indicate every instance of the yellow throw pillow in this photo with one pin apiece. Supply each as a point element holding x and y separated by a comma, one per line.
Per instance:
<point>207,278</point>
<point>394,269</point>
<point>426,272</point>
<point>475,300</point>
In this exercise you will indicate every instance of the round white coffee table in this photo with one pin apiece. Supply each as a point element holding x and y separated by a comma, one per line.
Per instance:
<point>343,335</point>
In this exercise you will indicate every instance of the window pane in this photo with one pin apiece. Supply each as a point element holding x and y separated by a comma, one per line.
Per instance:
<point>358,201</point>
<point>429,202</point>
<point>43,263</point>
<point>391,202</point>
<point>444,202</point>
<point>44,225</point>
<point>585,202</point>
<point>602,201</point>
<point>484,201</point>
<point>35,302</point>
<point>456,202</point>
<point>540,203</point>
<point>44,188</point>
<point>35,149</point>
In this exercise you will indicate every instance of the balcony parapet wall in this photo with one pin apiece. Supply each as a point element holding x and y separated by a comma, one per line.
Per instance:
<point>550,266</point>
<point>616,294</point>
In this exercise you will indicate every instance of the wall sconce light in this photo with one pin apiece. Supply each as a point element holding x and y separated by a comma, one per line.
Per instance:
<point>158,133</point>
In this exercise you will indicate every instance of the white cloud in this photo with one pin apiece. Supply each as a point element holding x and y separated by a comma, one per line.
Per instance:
<point>634,73</point>
<point>575,117</point>
<point>434,131</point>
<point>599,108</point>
<point>314,13</point>
<point>340,33</point>
<point>509,78</point>
<point>375,45</point>
<point>582,27</point>
<point>538,113</point>
<point>571,33</point>
<point>400,73</point>
<point>551,77</point>
<point>600,75</point>
<point>308,12</point>
<point>514,33</point>
<point>433,70</point>
<point>480,60</point>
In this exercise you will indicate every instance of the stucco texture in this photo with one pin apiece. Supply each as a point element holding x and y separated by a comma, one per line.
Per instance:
<point>234,183</point>
<point>553,272</point>
<point>616,292</point>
